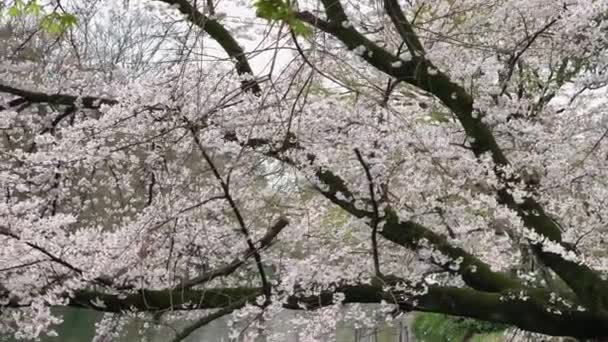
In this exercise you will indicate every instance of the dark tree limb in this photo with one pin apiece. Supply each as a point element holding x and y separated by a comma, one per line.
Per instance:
<point>228,269</point>
<point>516,56</point>
<point>88,102</point>
<point>409,234</point>
<point>235,209</point>
<point>529,312</point>
<point>376,219</point>
<point>69,111</point>
<point>4,231</point>
<point>419,72</point>
<point>404,28</point>
<point>208,319</point>
<point>527,309</point>
<point>474,272</point>
<point>220,34</point>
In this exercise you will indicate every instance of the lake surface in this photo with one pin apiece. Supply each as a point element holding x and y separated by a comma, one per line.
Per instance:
<point>79,326</point>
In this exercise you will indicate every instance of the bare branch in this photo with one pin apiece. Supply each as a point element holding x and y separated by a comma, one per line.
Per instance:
<point>403,26</point>
<point>228,269</point>
<point>208,319</point>
<point>221,35</point>
<point>515,57</point>
<point>583,280</point>
<point>89,102</point>
<point>6,232</point>
<point>376,218</point>
<point>243,227</point>
<point>525,308</point>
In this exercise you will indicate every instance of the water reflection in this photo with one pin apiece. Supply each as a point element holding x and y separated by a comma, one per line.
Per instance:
<point>79,326</point>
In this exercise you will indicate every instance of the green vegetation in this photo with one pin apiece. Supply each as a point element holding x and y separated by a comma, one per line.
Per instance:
<point>431,327</point>
<point>281,11</point>
<point>53,22</point>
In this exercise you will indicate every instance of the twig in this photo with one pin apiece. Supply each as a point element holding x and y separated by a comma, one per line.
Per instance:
<point>514,58</point>
<point>266,241</point>
<point>222,36</point>
<point>376,218</point>
<point>404,28</point>
<point>208,319</point>
<point>6,232</point>
<point>243,227</point>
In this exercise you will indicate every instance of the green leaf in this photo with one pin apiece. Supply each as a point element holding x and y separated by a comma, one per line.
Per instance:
<point>33,8</point>
<point>17,9</point>
<point>14,11</point>
<point>299,28</point>
<point>57,23</point>
<point>282,11</point>
<point>54,22</point>
<point>271,9</point>
<point>68,20</point>
<point>433,327</point>
<point>50,24</point>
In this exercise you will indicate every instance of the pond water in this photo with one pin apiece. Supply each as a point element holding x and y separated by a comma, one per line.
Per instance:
<point>79,326</point>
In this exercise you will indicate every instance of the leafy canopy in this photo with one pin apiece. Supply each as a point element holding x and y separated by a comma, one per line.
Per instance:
<point>52,22</point>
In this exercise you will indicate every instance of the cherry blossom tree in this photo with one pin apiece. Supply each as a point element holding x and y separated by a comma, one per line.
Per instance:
<point>425,155</point>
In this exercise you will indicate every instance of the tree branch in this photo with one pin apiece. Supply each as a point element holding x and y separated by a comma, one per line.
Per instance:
<point>419,72</point>
<point>376,218</point>
<point>516,56</point>
<point>221,35</point>
<point>208,319</point>
<point>243,227</point>
<point>527,309</point>
<point>404,28</point>
<point>228,269</point>
<point>88,102</point>
<point>6,232</point>
<point>409,234</point>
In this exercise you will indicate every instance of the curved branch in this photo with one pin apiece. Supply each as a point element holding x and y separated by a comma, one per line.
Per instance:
<point>584,281</point>
<point>89,102</point>
<point>208,319</point>
<point>527,309</point>
<point>474,272</point>
<point>241,221</point>
<point>409,234</point>
<point>403,26</point>
<point>376,219</point>
<point>4,231</point>
<point>228,269</point>
<point>221,35</point>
